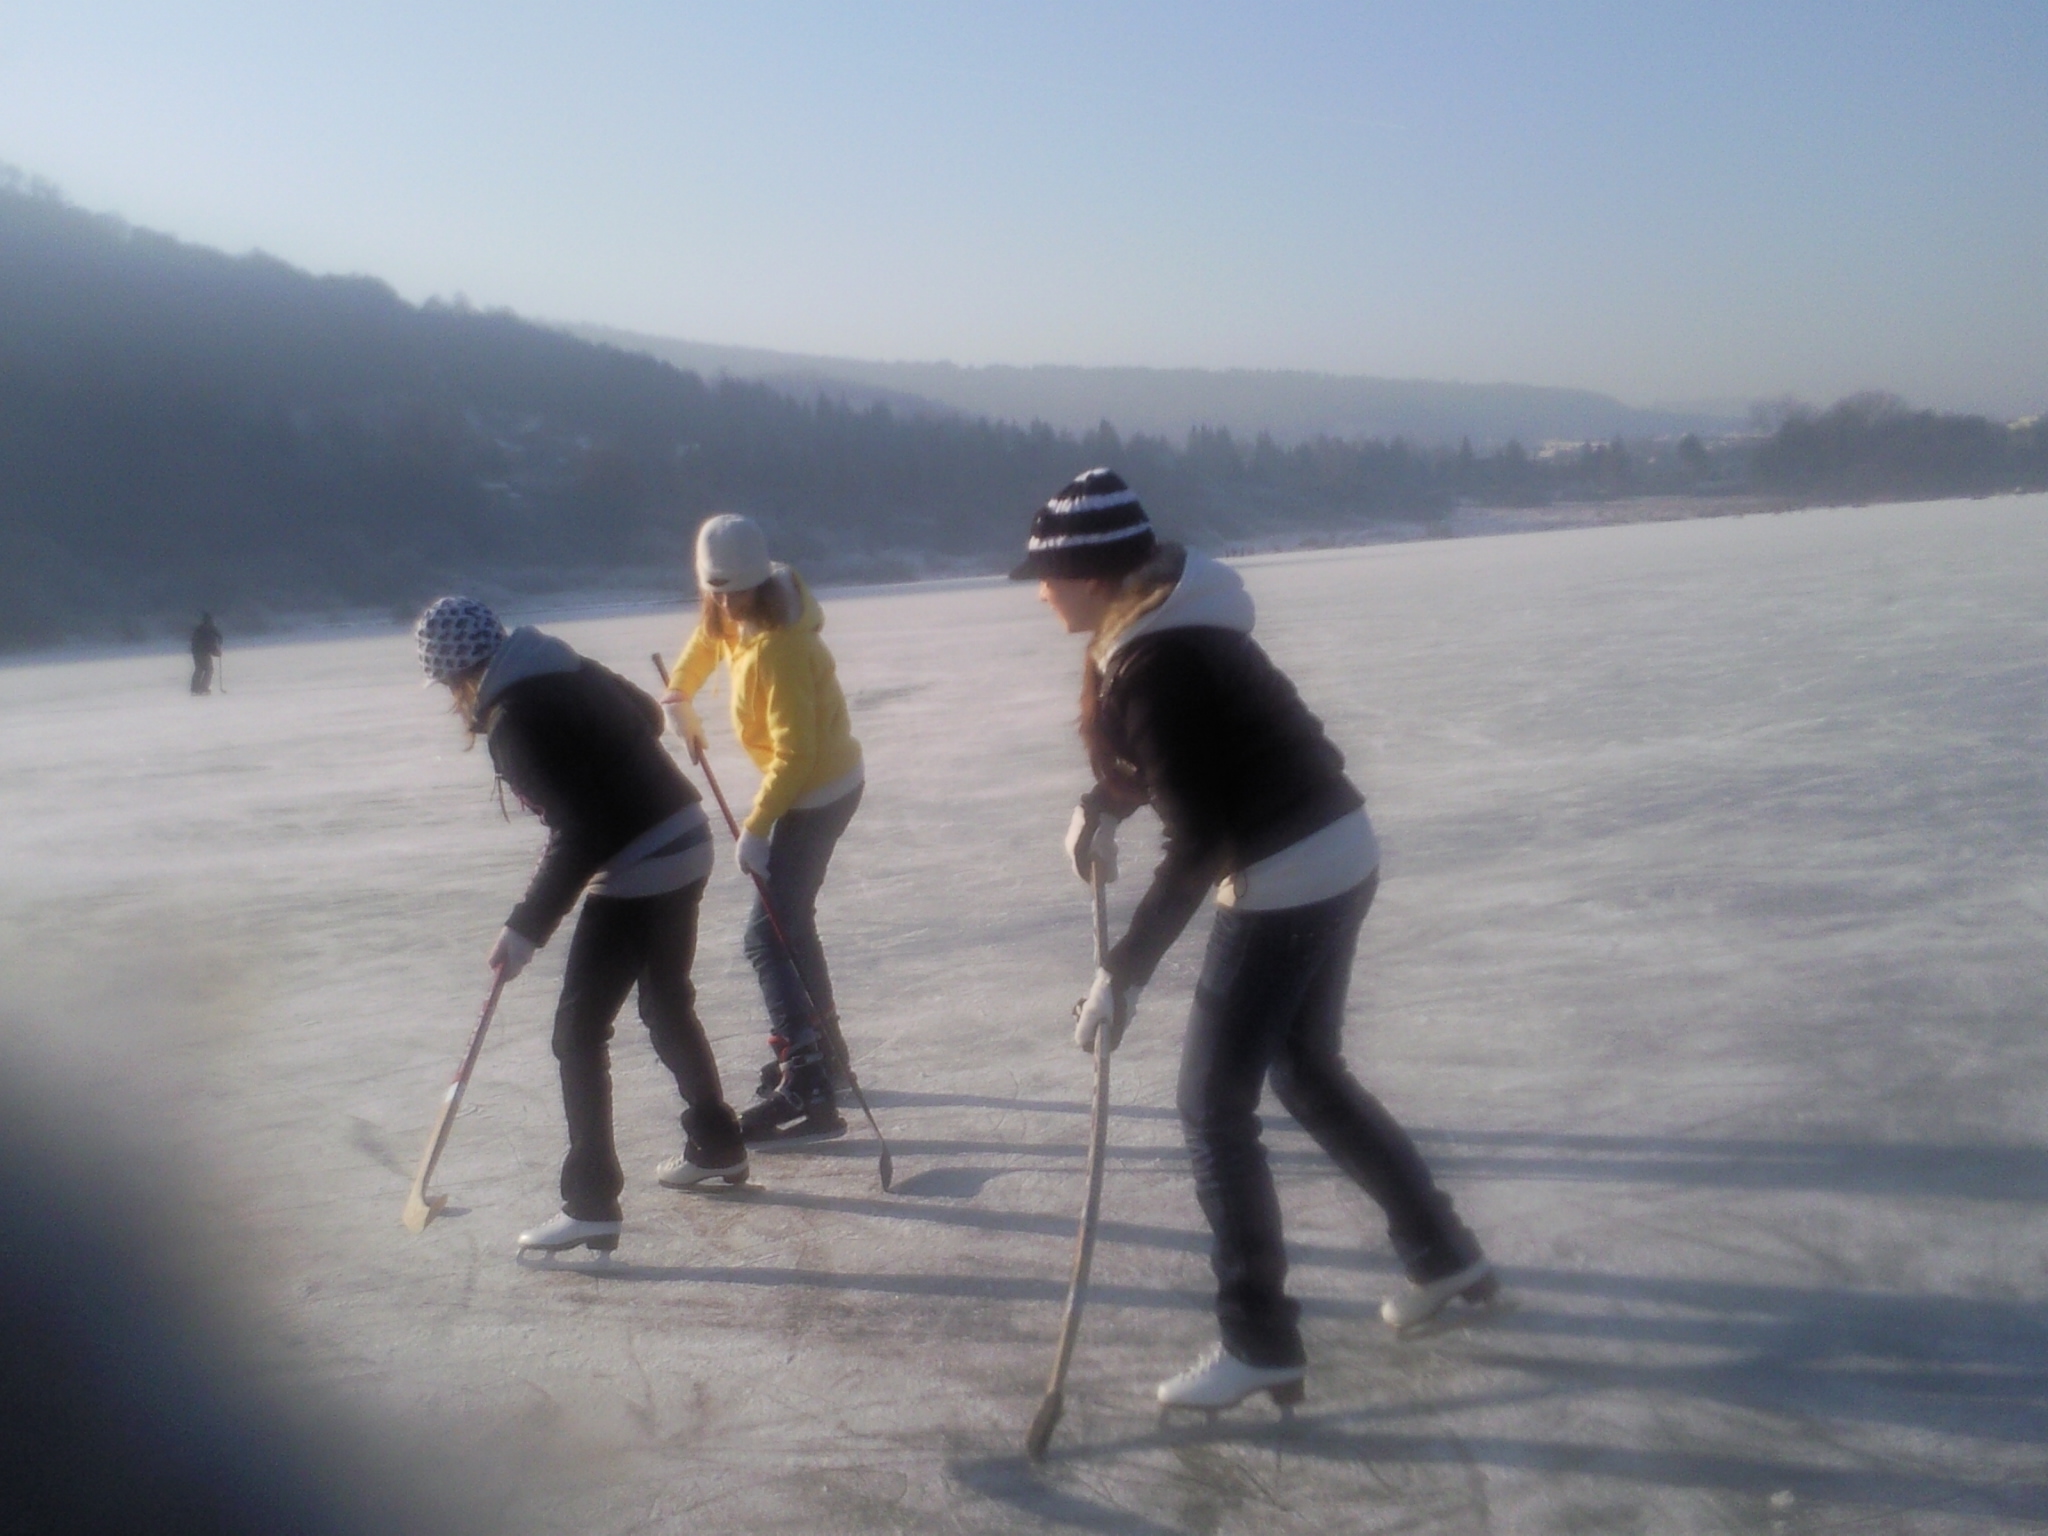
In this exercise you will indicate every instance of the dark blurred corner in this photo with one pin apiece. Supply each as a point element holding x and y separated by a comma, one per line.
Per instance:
<point>132,1399</point>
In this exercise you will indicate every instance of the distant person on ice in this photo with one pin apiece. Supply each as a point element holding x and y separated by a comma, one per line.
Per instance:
<point>1181,710</point>
<point>759,618</point>
<point>205,647</point>
<point>580,746</point>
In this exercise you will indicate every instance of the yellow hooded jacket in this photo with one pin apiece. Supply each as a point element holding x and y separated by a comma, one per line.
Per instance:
<point>787,709</point>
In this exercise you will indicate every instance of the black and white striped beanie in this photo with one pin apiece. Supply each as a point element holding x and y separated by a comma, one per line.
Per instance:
<point>455,634</point>
<point>1094,527</point>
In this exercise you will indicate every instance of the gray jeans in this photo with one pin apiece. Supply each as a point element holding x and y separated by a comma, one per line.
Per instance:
<point>799,850</point>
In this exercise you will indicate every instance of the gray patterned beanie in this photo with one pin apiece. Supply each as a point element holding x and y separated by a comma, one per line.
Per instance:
<point>456,634</point>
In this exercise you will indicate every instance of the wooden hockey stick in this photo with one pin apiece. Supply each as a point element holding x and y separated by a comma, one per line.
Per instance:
<point>421,1207</point>
<point>1049,1411</point>
<point>833,1040</point>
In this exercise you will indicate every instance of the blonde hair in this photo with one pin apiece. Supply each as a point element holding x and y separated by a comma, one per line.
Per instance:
<point>1137,594</point>
<point>462,692</point>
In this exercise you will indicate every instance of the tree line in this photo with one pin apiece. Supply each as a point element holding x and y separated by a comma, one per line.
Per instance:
<point>183,429</point>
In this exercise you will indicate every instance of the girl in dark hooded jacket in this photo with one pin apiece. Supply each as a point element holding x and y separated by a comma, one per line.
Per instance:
<point>580,746</point>
<point>1183,711</point>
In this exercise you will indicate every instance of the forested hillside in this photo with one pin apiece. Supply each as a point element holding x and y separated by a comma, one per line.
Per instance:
<point>183,429</point>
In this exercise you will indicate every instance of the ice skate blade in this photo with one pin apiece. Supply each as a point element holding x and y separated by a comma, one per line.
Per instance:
<point>598,1261</point>
<point>1286,1396</point>
<point>795,1136</point>
<point>1458,1314</point>
<point>709,1184</point>
<point>601,1244</point>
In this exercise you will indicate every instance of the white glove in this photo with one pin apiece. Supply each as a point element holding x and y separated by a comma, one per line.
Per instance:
<point>1097,1011</point>
<point>1091,842</point>
<point>510,954</point>
<point>682,719</point>
<point>751,854</point>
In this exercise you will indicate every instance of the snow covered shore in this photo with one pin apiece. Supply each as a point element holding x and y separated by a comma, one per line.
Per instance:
<point>1708,965</point>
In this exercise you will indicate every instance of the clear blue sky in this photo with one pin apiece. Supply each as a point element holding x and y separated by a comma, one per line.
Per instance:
<point>1667,202</point>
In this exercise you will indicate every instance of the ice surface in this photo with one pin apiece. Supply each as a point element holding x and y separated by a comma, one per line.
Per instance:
<point>1709,968</point>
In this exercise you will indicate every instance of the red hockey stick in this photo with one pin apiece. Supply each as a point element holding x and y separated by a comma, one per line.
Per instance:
<point>888,1167</point>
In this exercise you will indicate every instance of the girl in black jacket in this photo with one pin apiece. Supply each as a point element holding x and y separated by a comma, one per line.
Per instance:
<point>1183,711</point>
<point>580,746</point>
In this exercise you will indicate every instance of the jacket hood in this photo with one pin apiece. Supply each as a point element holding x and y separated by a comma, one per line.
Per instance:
<point>786,594</point>
<point>1208,595</point>
<point>809,615</point>
<point>526,653</point>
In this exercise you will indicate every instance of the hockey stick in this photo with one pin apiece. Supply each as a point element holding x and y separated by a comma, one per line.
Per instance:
<point>421,1207</point>
<point>1048,1417</point>
<point>888,1166</point>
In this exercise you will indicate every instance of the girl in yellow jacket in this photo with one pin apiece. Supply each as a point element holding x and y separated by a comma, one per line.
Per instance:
<point>760,619</point>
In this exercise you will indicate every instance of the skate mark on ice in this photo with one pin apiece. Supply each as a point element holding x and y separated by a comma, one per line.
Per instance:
<point>1034,1292</point>
<point>865,699</point>
<point>1330,1438</point>
<point>1014,1482</point>
<point>1360,1259</point>
<point>903,1098</point>
<point>1898,1169</point>
<point>1173,1156</point>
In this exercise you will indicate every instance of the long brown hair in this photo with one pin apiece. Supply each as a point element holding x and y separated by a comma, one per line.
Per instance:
<point>772,605</point>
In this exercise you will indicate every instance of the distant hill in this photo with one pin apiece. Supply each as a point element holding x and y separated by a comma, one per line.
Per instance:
<point>182,429</point>
<point>1292,407</point>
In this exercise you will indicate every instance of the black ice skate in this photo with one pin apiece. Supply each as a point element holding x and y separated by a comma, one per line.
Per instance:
<point>799,1107</point>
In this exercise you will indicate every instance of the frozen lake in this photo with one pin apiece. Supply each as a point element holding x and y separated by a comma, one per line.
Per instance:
<point>1710,967</point>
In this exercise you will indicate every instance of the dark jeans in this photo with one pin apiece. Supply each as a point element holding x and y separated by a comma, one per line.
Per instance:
<point>648,941</point>
<point>799,849</point>
<point>1270,1003</point>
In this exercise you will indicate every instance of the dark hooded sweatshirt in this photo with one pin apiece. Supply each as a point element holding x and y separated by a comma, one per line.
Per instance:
<point>1216,738</point>
<point>581,747</point>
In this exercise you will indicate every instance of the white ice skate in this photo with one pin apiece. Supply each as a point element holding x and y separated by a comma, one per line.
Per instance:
<point>1220,1380</point>
<point>679,1172</point>
<point>566,1232</point>
<point>1417,1304</point>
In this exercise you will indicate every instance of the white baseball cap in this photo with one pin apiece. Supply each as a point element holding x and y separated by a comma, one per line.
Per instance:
<point>732,554</point>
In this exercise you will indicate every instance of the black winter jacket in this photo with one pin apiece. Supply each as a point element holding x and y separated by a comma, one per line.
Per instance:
<point>582,748</point>
<point>1232,761</point>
